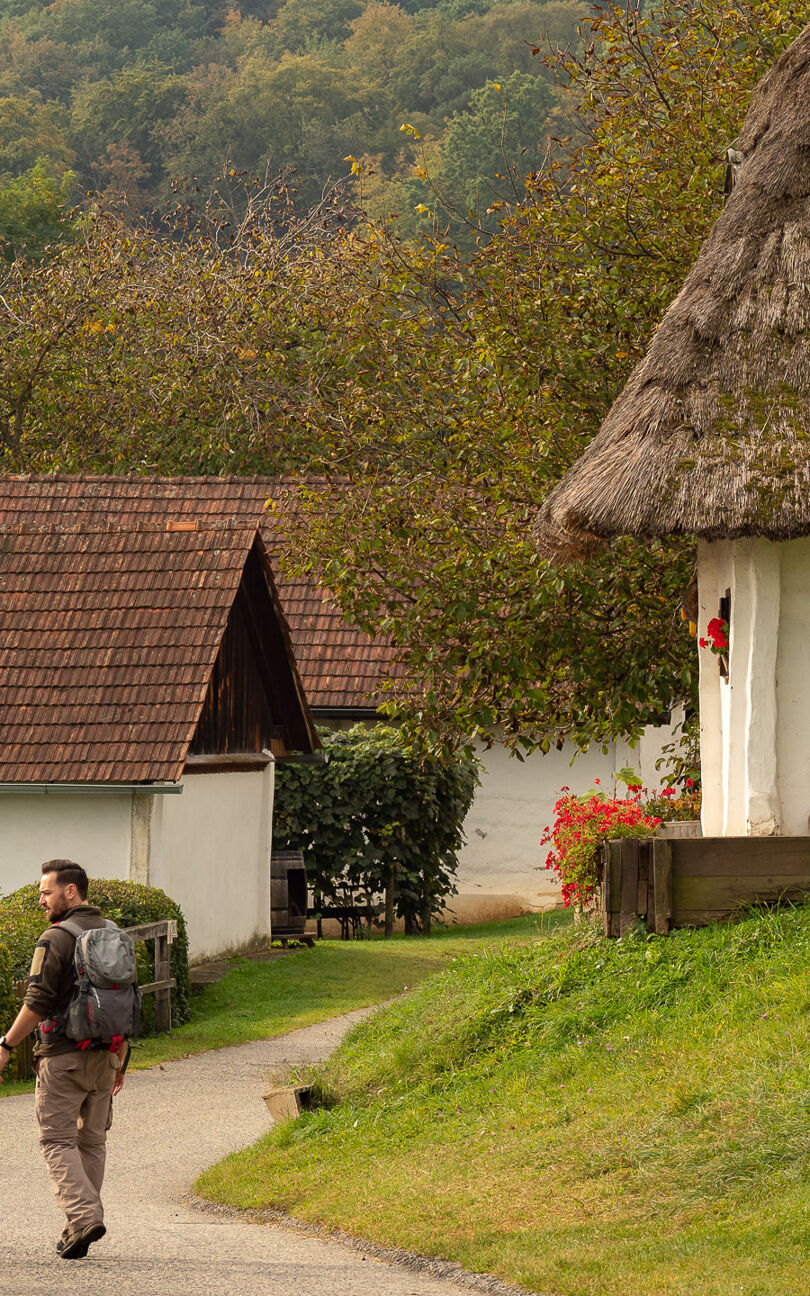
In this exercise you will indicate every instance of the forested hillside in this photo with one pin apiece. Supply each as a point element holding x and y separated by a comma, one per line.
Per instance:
<point>128,96</point>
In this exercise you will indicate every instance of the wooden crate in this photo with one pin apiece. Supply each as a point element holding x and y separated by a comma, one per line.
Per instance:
<point>693,881</point>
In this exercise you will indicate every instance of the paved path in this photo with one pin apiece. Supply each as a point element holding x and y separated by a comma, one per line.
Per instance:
<point>170,1123</point>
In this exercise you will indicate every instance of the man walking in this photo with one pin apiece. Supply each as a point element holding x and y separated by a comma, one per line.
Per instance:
<point>76,1082</point>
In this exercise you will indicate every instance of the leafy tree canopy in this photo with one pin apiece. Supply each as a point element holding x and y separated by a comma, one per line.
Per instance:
<point>479,385</point>
<point>33,212</point>
<point>185,86</point>
<point>439,397</point>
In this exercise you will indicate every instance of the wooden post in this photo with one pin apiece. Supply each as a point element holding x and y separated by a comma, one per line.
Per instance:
<point>612,887</point>
<point>23,1055</point>
<point>628,899</point>
<point>426,905</point>
<point>318,903</point>
<point>644,879</point>
<point>163,934</point>
<point>163,996</point>
<point>662,884</point>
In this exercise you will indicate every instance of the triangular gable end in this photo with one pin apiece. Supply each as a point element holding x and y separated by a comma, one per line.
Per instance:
<point>254,700</point>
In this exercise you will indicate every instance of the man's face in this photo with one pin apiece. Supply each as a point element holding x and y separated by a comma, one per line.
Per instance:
<point>53,898</point>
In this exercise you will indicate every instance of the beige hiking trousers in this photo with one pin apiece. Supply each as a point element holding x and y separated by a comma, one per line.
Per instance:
<point>74,1111</point>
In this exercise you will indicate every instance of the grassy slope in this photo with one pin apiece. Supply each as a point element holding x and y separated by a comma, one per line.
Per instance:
<point>582,1117</point>
<point>262,1000</point>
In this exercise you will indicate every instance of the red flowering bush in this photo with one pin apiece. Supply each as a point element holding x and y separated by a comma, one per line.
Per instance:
<point>717,631</point>
<point>582,824</point>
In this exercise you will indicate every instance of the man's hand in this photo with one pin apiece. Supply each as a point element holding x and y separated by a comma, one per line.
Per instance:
<point>123,1057</point>
<point>25,1021</point>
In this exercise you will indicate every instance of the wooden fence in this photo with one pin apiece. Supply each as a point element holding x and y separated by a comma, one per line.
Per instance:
<point>693,881</point>
<point>163,934</point>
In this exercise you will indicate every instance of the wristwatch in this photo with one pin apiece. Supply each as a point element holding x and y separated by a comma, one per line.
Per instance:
<point>5,1044</point>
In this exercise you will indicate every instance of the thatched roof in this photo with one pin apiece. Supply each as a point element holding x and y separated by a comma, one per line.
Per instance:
<point>711,435</point>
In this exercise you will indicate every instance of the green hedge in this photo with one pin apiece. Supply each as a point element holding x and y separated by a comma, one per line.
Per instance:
<point>127,903</point>
<point>379,812</point>
<point>7,1005</point>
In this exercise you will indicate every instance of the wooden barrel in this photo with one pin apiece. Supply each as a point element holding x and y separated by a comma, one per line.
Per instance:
<point>288,893</point>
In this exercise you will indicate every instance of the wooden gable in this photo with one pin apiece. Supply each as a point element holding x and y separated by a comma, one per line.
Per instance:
<point>253,702</point>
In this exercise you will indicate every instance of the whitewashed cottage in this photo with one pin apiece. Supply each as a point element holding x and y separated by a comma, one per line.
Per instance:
<point>147,686</point>
<point>711,438</point>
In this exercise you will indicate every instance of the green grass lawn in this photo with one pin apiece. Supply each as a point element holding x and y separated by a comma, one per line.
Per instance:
<point>582,1117</point>
<point>262,1000</point>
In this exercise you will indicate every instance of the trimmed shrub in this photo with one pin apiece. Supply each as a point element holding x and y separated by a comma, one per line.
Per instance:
<point>8,1009</point>
<point>379,815</point>
<point>127,903</point>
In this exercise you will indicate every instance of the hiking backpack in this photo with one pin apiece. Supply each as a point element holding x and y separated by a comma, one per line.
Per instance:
<point>106,1003</point>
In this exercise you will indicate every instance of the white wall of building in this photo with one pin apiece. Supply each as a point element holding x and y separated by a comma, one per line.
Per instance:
<point>93,829</point>
<point>207,848</point>
<point>214,859</point>
<point>793,688</point>
<point>754,725</point>
<point>501,867</point>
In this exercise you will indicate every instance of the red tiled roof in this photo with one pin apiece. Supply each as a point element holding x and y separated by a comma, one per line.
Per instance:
<point>63,498</point>
<point>109,637</point>
<point>340,667</point>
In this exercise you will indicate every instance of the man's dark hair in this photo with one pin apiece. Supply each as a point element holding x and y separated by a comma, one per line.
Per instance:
<point>66,872</point>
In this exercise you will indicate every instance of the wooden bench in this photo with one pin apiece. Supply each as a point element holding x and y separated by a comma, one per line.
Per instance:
<point>287,938</point>
<point>350,917</point>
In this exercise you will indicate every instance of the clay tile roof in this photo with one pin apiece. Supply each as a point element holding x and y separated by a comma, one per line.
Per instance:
<point>109,637</point>
<point>340,667</point>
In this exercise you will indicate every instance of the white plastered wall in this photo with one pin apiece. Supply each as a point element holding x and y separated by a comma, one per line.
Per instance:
<point>501,867</point>
<point>754,727</point>
<point>94,830</point>
<point>211,853</point>
<point>793,688</point>
<point>208,848</point>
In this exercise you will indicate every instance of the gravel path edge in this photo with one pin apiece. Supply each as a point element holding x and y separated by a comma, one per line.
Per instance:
<point>449,1270</point>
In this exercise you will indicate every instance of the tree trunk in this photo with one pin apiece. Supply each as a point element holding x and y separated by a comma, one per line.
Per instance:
<point>426,913</point>
<point>390,897</point>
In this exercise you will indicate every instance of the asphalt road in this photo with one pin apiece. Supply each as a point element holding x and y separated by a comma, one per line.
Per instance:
<point>170,1123</point>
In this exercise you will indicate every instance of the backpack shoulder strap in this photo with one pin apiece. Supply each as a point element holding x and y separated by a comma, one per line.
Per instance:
<point>76,931</point>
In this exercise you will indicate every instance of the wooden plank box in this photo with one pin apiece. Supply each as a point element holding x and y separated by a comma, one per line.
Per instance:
<point>689,882</point>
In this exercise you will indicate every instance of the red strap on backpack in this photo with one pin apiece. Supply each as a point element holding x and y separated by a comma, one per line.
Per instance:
<point>117,1041</point>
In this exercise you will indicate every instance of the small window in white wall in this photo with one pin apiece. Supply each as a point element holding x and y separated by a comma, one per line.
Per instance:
<point>725,616</point>
<point>718,632</point>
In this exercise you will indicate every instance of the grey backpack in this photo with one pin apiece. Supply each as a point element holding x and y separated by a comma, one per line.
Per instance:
<point>106,1003</point>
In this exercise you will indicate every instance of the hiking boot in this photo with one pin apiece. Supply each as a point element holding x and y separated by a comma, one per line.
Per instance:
<point>76,1243</point>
